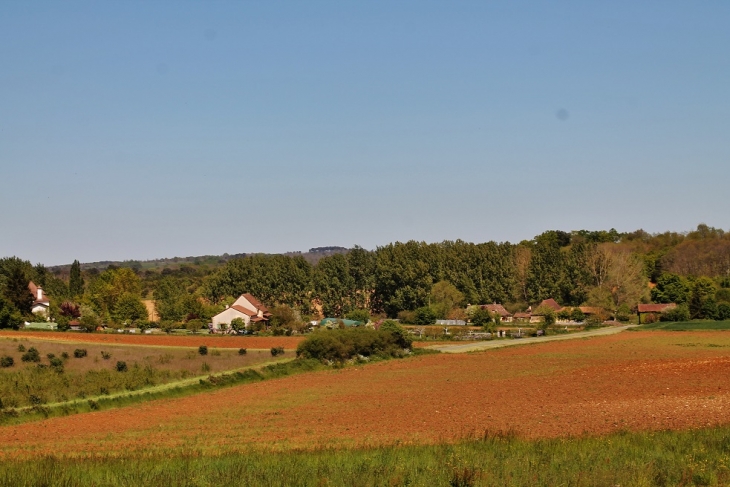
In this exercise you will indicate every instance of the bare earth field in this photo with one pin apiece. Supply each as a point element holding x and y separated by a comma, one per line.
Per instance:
<point>220,341</point>
<point>632,380</point>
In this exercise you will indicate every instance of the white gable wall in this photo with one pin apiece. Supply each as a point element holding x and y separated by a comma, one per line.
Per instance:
<point>228,315</point>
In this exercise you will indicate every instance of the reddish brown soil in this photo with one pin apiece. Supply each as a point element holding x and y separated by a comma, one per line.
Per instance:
<point>633,380</point>
<point>220,341</point>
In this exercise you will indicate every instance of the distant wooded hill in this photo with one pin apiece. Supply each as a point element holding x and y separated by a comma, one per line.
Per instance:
<point>174,263</point>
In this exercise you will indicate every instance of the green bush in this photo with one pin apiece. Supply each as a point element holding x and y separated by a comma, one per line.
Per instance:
<point>358,315</point>
<point>106,355</point>
<point>6,361</point>
<point>64,355</point>
<point>623,313</point>
<point>241,351</point>
<point>402,338</point>
<point>57,364</point>
<point>577,315</point>
<point>277,351</point>
<point>31,355</point>
<point>723,311</point>
<point>680,313</point>
<point>21,348</point>
<point>339,345</point>
<point>121,366</point>
<point>425,316</point>
<point>80,353</point>
<point>481,317</point>
<point>203,350</point>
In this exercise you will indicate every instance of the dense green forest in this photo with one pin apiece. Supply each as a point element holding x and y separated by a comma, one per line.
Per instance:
<point>612,270</point>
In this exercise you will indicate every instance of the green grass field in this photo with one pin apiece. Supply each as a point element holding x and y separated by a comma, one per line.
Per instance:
<point>689,458</point>
<point>686,326</point>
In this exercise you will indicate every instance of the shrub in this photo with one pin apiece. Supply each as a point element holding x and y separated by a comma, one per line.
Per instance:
<point>425,316</point>
<point>340,345</point>
<point>723,311</point>
<point>623,313</point>
<point>593,321</point>
<point>203,350</point>
<point>121,366</point>
<point>50,356</point>
<point>547,313</point>
<point>64,355</point>
<point>6,361</point>
<point>105,355</point>
<point>408,317</point>
<point>362,315</point>
<point>277,351</point>
<point>241,351</point>
<point>31,355</point>
<point>400,334</point>
<point>21,348</point>
<point>57,364</point>
<point>564,314</point>
<point>577,315</point>
<point>80,353</point>
<point>481,317</point>
<point>680,313</point>
<point>237,324</point>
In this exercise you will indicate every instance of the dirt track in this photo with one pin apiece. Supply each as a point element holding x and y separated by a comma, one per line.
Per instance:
<point>487,345</point>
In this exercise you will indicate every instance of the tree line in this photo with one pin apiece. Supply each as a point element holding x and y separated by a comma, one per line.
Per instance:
<point>608,269</point>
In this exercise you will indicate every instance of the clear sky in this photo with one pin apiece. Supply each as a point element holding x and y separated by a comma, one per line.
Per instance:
<point>136,130</point>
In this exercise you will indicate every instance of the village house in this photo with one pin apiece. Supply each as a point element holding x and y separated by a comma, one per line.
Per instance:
<point>41,304</point>
<point>548,303</point>
<point>499,310</point>
<point>246,307</point>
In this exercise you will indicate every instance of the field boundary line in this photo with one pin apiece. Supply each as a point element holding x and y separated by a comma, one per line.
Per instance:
<point>489,345</point>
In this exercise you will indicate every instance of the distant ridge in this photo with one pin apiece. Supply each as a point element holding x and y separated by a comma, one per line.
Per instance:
<point>312,256</point>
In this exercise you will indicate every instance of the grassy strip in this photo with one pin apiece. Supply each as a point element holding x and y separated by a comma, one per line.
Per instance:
<point>665,458</point>
<point>180,388</point>
<point>685,326</point>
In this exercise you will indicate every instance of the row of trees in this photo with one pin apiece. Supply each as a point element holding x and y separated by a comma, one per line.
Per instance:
<point>602,268</point>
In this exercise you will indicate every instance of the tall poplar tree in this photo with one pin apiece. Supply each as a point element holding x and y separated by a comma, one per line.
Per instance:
<point>76,282</point>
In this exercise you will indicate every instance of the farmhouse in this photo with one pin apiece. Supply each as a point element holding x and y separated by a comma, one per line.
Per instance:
<point>546,303</point>
<point>500,310</point>
<point>646,310</point>
<point>41,302</point>
<point>246,307</point>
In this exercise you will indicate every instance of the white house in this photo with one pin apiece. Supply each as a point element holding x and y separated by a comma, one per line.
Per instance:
<point>246,307</point>
<point>41,302</point>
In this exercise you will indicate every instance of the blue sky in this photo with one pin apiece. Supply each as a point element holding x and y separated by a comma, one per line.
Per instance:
<point>135,130</point>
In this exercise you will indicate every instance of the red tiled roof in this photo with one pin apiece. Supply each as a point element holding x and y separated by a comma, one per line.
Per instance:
<point>552,303</point>
<point>656,308</point>
<point>497,308</point>
<point>243,310</point>
<point>522,315</point>
<point>255,302</point>
<point>591,310</point>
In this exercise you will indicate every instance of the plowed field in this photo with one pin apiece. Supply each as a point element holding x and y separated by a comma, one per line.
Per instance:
<point>633,380</point>
<point>220,341</point>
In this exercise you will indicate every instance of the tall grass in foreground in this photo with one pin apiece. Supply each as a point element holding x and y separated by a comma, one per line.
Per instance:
<point>661,458</point>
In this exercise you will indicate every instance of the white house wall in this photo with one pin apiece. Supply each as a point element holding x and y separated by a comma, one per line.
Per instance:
<point>228,315</point>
